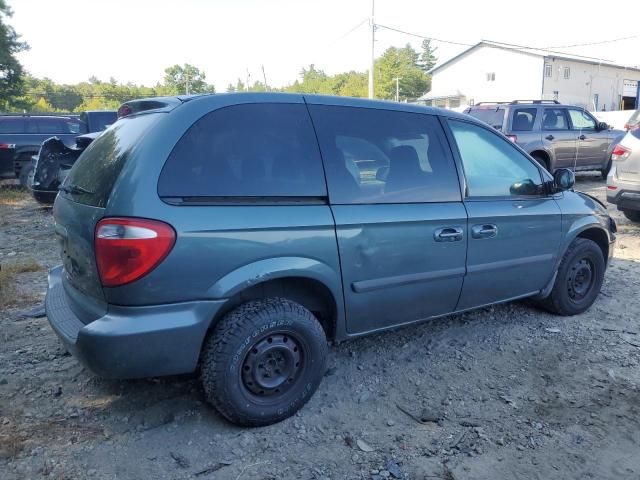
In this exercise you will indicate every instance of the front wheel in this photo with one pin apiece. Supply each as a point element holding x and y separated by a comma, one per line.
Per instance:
<point>263,361</point>
<point>579,279</point>
<point>633,215</point>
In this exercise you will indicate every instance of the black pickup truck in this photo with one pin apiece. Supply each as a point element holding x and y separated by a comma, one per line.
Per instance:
<point>22,135</point>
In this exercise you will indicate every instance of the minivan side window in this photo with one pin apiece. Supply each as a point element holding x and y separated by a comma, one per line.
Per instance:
<point>247,150</point>
<point>580,120</point>
<point>493,166</point>
<point>384,156</point>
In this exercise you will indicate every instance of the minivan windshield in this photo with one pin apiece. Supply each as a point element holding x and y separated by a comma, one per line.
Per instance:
<point>95,172</point>
<point>491,116</point>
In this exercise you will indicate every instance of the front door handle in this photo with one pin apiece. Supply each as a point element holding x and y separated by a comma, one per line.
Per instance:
<point>448,234</point>
<point>484,231</point>
<point>582,137</point>
<point>549,137</point>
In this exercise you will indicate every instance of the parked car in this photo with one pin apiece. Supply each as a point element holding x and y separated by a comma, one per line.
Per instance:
<point>235,234</point>
<point>556,135</point>
<point>634,121</point>
<point>22,135</point>
<point>52,164</point>
<point>623,182</point>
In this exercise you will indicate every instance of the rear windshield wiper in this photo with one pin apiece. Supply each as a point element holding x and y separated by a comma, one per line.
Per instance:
<point>75,189</point>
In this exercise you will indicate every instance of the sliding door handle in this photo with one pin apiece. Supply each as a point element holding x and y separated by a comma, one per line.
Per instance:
<point>448,234</point>
<point>484,231</point>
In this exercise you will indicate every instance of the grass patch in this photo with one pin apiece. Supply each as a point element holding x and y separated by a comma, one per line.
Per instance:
<point>12,195</point>
<point>9,272</point>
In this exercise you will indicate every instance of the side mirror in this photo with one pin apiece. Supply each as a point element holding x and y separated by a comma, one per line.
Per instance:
<point>563,179</point>
<point>525,187</point>
<point>603,126</point>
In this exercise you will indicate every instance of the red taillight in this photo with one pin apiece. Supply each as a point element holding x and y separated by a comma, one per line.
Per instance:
<point>513,138</point>
<point>7,145</point>
<point>611,187</point>
<point>124,110</point>
<point>129,248</point>
<point>620,153</point>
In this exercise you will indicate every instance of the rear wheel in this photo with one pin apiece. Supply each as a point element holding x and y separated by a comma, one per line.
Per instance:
<point>542,161</point>
<point>26,174</point>
<point>263,361</point>
<point>633,215</point>
<point>605,171</point>
<point>579,279</point>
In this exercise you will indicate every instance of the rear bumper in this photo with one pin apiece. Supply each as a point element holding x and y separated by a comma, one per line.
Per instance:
<point>626,196</point>
<point>132,342</point>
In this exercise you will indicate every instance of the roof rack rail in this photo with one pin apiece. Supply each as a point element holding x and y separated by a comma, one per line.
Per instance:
<point>516,102</point>
<point>491,103</point>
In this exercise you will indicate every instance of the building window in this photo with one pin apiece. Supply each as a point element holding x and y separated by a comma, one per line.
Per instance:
<point>491,77</point>
<point>548,70</point>
<point>471,101</point>
<point>556,94</point>
<point>567,73</point>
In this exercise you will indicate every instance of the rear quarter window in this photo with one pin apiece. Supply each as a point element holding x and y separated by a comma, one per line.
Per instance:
<point>491,116</point>
<point>94,174</point>
<point>248,150</point>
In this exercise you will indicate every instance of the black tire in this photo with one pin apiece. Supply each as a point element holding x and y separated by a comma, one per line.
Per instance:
<point>25,173</point>
<point>579,279</point>
<point>542,161</point>
<point>633,215</point>
<point>605,171</point>
<point>263,361</point>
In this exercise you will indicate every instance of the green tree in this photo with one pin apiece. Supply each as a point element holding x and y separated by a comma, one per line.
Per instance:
<point>11,72</point>
<point>400,63</point>
<point>428,57</point>
<point>180,78</point>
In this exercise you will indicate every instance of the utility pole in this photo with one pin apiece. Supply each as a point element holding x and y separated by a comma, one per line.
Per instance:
<point>397,79</point>
<point>373,40</point>
<point>264,76</point>
<point>246,87</point>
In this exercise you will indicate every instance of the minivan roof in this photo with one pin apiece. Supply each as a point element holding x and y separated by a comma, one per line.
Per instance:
<point>169,103</point>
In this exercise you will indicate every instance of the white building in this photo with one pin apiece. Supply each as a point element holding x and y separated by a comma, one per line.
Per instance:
<point>491,71</point>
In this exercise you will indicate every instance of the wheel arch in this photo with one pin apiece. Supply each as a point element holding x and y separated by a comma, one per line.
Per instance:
<point>313,284</point>
<point>544,155</point>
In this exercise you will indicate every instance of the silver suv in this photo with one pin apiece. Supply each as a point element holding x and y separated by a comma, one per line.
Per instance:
<point>556,135</point>
<point>623,182</point>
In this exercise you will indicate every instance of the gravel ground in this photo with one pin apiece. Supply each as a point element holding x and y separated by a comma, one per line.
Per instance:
<point>502,392</point>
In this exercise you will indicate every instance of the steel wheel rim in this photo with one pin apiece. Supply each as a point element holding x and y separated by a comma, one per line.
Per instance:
<point>581,279</point>
<point>272,365</point>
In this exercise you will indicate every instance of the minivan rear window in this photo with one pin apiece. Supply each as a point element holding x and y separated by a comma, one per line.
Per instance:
<point>247,150</point>
<point>491,116</point>
<point>94,174</point>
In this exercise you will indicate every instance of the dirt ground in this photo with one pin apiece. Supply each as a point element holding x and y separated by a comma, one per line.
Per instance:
<point>503,392</point>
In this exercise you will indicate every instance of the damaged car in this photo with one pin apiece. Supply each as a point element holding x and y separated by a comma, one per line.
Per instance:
<point>52,164</point>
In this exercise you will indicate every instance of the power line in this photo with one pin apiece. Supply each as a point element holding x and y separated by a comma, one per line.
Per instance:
<point>423,36</point>
<point>595,43</point>
<point>505,46</point>
<point>351,30</point>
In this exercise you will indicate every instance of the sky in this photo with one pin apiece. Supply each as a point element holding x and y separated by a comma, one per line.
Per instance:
<point>135,40</point>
